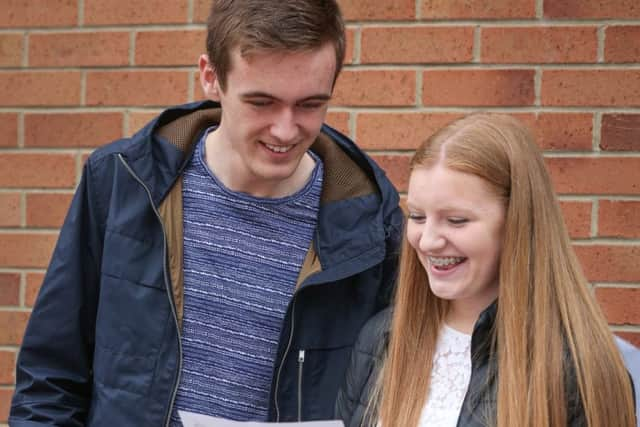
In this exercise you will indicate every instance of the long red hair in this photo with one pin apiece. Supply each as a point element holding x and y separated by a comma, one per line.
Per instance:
<point>545,310</point>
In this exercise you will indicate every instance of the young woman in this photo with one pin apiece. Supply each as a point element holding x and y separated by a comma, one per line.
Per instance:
<point>493,322</point>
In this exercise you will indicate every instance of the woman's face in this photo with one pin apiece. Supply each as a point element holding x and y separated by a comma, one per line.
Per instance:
<point>456,227</point>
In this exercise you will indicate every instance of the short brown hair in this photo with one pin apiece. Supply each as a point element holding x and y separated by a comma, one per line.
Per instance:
<point>272,25</point>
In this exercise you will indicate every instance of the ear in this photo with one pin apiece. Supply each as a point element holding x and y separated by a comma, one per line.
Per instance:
<point>208,78</point>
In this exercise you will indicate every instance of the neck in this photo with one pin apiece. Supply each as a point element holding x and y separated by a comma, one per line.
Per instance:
<point>463,315</point>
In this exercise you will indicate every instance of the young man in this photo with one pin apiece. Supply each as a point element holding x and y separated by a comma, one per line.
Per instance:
<point>223,259</point>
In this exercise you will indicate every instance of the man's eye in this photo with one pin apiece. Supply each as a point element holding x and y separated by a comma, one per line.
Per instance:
<point>259,103</point>
<point>457,220</point>
<point>311,105</point>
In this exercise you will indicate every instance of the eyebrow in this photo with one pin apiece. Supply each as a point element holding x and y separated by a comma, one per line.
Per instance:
<point>258,94</point>
<point>446,208</point>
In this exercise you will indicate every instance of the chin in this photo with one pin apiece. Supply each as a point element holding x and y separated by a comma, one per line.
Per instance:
<point>445,294</point>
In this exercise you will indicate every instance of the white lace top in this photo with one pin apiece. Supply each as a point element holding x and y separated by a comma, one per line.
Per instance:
<point>449,379</point>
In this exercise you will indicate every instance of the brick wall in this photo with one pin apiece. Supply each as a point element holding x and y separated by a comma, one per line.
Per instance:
<point>75,74</point>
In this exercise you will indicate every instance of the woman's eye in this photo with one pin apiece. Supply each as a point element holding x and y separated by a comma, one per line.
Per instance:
<point>416,217</point>
<point>457,221</point>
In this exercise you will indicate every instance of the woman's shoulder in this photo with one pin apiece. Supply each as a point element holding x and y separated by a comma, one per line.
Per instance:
<point>374,335</point>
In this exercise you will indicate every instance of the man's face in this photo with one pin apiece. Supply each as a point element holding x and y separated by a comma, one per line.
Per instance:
<point>273,107</point>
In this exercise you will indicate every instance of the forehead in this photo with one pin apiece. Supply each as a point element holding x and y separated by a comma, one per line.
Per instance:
<point>441,188</point>
<point>298,70</point>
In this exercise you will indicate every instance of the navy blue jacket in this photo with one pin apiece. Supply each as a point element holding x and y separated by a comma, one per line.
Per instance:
<point>102,347</point>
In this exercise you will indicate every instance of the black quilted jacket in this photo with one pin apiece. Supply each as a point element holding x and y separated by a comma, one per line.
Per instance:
<point>480,398</point>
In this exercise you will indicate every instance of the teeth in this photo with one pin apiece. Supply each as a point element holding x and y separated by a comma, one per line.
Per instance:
<point>279,148</point>
<point>445,261</point>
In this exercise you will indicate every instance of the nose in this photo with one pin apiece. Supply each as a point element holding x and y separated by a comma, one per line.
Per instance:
<point>284,127</point>
<point>431,238</point>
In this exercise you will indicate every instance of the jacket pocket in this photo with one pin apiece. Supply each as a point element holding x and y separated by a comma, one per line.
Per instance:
<point>118,373</point>
<point>133,305</point>
<point>135,260</point>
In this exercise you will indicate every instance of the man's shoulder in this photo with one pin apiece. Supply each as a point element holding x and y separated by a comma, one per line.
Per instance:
<point>122,145</point>
<point>136,145</point>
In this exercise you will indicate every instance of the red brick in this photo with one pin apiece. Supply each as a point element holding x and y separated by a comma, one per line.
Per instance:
<point>39,88</point>
<point>375,88</point>
<point>79,49</point>
<point>618,218</point>
<point>350,35</point>
<point>539,44</point>
<point>339,121</point>
<point>620,305</point>
<point>26,250</point>
<point>9,126</point>
<point>5,404</point>
<point>405,131</point>
<point>631,337</point>
<point>18,170</point>
<point>39,13</point>
<point>609,175</point>
<point>7,367</point>
<point>416,44</point>
<point>34,282</point>
<point>10,205</point>
<point>620,132</point>
<point>100,12</point>
<point>478,9</point>
<point>577,217</point>
<point>11,46</point>
<point>71,130</point>
<point>201,10</point>
<point>607,88</point>
<point>564,131</point>
<point>138,119</point>
<point>47,209</point>
<point>367,10</point>
<point>478,88</point>
<point>137,87</point>
<point>12,325</point>
<point>610,263</point>
<point>9,291</point>
<point>591,9</point>
<point>398,131</point>
<point>622,44</point>
<point>396,167</point>
<point>169,47</point>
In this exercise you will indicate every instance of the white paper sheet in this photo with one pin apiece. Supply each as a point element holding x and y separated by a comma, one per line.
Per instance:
<point>189,419</point>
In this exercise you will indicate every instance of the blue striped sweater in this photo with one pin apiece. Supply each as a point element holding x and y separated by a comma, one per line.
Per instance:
<point>242,256</point>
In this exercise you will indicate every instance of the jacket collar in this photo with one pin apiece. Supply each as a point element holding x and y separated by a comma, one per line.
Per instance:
<point>356,197</point>
<point>481,338</point>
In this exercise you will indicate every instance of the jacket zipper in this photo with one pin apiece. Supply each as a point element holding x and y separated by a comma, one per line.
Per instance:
<point>284,357</point>
<point>286,351</point>
<point>166,283</point>
<point>300,365</point>
<point>276,404</point>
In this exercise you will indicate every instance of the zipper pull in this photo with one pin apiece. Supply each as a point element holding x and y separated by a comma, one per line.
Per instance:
<point>301,356</point>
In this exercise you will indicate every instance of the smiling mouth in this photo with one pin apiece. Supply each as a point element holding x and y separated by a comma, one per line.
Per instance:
<point>446,263</point>
<point>278,148</point>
